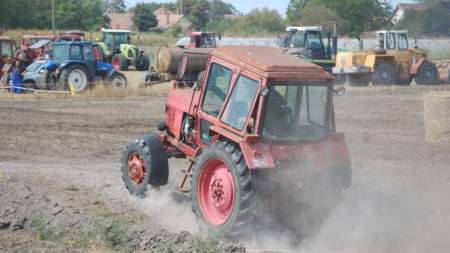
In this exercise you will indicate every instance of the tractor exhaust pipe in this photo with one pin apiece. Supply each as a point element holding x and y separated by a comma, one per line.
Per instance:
<point>361,43</point>
<point>334,46</point>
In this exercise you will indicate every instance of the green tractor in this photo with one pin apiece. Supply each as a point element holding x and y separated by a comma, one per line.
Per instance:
<point>117,49</point>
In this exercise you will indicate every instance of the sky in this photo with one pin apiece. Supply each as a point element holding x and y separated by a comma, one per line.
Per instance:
<point>245,6</point>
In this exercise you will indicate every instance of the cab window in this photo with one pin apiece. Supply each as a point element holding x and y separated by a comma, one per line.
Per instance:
<point>240,103</point>
<point>217,88</point>
<point>88,53</point>
<point>75,53</point>
<point>403,41</point>
<point>390,41</point>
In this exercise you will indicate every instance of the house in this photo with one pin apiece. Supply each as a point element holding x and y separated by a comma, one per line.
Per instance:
<point>121,21</point>
<point>400,10</point>
<point>166,19</point>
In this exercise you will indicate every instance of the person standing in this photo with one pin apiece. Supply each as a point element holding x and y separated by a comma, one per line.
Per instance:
<point>17,78</point>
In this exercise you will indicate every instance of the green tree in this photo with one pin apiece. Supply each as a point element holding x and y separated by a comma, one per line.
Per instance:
<point>115,6</point>
<point>320,15</point>
<point>259,21</point>
<point>143,18</point>
<point>202,12</point>
<point>358,15</point>
<point>294,10</point>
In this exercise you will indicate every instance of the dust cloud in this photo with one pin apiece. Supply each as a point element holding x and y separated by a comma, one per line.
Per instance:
<point>369,220</point>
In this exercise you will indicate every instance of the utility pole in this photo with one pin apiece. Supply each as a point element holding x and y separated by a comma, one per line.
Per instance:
<point>53,17</point>
<point>181,7</point>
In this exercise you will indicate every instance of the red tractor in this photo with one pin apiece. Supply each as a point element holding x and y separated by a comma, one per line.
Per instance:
<point>254,116</point>
<point>198,40</point>
<point>35,46</point>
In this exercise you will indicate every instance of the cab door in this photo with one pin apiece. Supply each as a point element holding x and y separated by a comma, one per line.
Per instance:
<point>403,55</point>
<point>89,58</point>
<point>215,93</point>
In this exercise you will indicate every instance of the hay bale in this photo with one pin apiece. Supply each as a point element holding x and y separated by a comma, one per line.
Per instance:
<point>437,116</point>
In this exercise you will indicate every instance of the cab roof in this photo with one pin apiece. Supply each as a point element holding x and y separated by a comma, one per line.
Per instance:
<point>304,28</point>
<point>114,31</point>
<point>5,38</point>
<point>271,63</point>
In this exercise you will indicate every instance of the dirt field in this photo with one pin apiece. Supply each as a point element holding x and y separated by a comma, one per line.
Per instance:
<point>61,188</point>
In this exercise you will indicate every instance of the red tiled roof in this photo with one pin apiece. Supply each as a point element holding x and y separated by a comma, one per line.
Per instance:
<point>409,6</point>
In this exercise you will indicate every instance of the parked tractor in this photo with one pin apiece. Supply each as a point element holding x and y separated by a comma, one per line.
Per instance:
<point>7,46</point>
<point>77,64</point>
<point>118,50</point>
<point>390,62</point>
<point>254,114</point>
<point>306,42</point>
<point>198,40</point>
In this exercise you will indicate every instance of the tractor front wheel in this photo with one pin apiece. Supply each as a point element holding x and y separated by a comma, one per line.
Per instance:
<point>119,62</point>
<point>428,74</point>
<point>75,75</point>
<point>384,74</point>
<point>144,162</point>
<point>222,192</point>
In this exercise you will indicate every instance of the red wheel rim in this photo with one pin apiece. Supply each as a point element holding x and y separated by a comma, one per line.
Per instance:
<point>216,192</point>
<point>116,63</point>
<point>136,168</point>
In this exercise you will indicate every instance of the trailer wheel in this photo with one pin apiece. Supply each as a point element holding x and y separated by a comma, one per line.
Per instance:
<point>384,74</point>
<point>222,191</point>
<point>428,74</point>
<point>144,162</point>
<point>119,62</point>
<point>359,80</point>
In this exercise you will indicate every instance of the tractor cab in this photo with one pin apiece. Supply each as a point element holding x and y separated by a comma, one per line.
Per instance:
<point>393,40</point>
<point>308,37</point>
<point>114,38</point>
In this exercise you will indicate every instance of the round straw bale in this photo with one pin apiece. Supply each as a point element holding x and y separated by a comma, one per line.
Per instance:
<point>437,116</point>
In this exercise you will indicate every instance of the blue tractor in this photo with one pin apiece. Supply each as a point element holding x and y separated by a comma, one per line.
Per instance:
<point>79,63</point>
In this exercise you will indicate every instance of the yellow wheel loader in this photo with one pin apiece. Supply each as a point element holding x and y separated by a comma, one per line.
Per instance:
<point>390,62</point>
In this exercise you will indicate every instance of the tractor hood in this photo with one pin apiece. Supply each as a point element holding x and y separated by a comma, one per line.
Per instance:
<point>129,51</point>
<point>349,59</point>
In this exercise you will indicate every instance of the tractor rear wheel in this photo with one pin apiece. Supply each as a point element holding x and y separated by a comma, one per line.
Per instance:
<point>75,75</point>
<point>145,63</point>
<point>428,74</point>
<point>384,74</point>
<point>222,192</point>
<point>359,80</point>
<point>118,80</point>
<point>144,162</point>
<point>119,62</point>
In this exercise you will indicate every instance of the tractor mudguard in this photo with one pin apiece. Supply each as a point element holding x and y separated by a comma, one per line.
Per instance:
<point>110,74</point>
<point>51,65</point>
<point>415,66</point>
<point>67,64</point>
